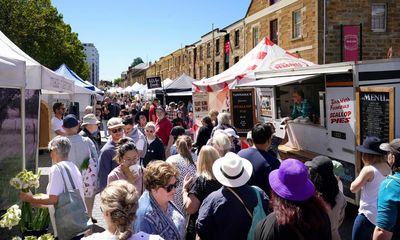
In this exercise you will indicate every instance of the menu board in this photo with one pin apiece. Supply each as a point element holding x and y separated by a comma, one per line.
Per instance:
<point>376,113</point>
<point>242,109</point>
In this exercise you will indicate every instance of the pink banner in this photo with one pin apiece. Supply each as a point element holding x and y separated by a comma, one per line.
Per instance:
<point>351,43</point>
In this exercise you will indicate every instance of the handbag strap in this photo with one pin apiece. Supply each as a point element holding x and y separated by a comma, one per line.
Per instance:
<point>62,176</point>
<point>237,196</point>
<point>69,177</point>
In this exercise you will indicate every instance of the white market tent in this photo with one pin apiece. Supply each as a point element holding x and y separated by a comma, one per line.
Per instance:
<point>37,76</point>
<point>182,84</point>
<point>265,56</point>
<point>12,73</point>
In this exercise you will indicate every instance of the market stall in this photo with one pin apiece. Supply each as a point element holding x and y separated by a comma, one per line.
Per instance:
<point>349,101</point>
<point>265,56</point>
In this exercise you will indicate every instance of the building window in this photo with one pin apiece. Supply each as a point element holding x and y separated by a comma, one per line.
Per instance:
<point>273,31</point>
<point>208,70</point>
<point>237,38</point>
<point>208,50</point>
<point>201,53</point>
<point>296,24</point>
<point>217,47</point>
<point>255,35</point>
<point>378,19</point>
<point>236,59</point>
<point>216,68</point>
<point>200,72</point>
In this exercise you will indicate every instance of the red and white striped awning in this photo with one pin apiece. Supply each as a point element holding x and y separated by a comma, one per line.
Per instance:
<point>265,56</point>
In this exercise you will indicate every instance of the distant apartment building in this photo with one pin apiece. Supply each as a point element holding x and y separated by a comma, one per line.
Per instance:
<point>92,58</point>
<point>320,31</point>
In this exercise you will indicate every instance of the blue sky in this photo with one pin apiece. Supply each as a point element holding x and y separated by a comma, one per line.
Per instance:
<point>124,29</point>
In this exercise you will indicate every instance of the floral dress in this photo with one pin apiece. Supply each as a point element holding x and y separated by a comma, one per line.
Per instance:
<point>184,168</point>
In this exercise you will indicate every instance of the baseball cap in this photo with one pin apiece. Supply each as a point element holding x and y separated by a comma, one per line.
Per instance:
<point>70,121</point>
<point>114,122</point>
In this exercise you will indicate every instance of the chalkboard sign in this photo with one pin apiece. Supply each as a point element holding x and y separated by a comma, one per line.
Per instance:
<point>376,112</point>
<point>242,109</point>
<point>153,82</point>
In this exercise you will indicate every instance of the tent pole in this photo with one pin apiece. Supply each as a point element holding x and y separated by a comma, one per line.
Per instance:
<point>23,128</point>
<point>38,136</point>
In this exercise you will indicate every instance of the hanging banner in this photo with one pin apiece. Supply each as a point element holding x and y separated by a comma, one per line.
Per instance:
<point>351,40</point>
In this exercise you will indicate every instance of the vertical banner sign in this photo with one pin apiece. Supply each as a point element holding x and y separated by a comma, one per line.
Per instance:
<point>153,82</point>
<point>200,106</point>
<point>242,109</point>
<point>340,110</point>
<point>351,43</point>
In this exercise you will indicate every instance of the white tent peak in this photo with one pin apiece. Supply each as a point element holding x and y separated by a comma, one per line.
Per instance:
<point>265,56</point>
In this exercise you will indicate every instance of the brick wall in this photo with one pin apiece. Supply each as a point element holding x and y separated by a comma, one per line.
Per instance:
<point>307,44</point>
<point>374,44</point>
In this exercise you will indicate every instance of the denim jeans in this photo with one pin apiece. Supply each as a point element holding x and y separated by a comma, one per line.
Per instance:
<point>363,229</point>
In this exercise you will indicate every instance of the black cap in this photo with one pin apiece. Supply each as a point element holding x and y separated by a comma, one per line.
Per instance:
<point>70,121</point>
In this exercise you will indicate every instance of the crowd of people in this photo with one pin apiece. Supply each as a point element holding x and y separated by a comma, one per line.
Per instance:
<point>156,181</point>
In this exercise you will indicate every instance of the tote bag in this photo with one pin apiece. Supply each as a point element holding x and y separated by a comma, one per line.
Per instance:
<point>70,212</point>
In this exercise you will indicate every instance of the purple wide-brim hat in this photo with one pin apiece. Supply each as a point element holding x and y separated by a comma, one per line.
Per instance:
<point>291,181</point>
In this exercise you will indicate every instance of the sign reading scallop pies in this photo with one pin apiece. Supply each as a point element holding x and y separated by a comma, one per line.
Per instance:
<point>153,82</point>
<point>242,109</point>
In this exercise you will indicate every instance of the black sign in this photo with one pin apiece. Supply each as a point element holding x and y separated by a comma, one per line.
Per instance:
<point>242,109</point>
<point>153,82</point>
<point>374,115</point>
<point>340,135</point>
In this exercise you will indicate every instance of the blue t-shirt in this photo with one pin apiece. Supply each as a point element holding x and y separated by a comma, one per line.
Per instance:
<point>263,164</point>
<point>389,205</point>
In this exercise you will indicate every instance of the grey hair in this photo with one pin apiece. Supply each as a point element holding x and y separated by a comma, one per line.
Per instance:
<point>61,144</point>
<point>222,142</point>
<point>223,118</point>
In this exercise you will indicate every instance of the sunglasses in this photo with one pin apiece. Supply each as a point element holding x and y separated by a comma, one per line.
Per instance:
<point>171,186</point>
<point>117,130</point>
<point>149,131</point>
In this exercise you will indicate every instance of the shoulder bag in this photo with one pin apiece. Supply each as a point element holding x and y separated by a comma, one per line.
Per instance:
<point>257,215</point>
<point>70,211</point>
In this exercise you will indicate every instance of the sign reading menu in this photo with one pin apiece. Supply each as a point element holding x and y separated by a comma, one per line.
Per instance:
<point>153,82</point>
<point>376,113</point>
<point>243,109</point>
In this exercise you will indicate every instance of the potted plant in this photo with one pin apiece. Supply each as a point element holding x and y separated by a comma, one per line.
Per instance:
<point>32,221</point>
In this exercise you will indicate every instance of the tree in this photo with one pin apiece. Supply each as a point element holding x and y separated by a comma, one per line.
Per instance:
<point>117,81</point>
<point>136,61</point>
<point>39,30</point>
